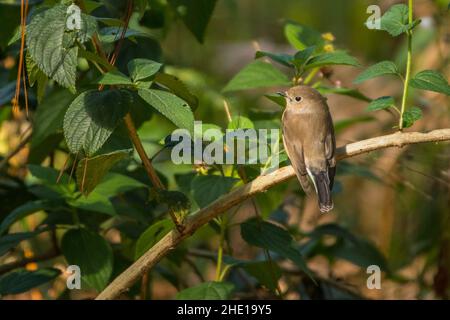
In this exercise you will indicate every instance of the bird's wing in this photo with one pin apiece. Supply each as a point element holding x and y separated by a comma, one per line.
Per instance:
<point>294,151</point>
<point>330,150</point>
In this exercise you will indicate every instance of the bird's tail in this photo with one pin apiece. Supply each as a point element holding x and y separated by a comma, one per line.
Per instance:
<point>321,182</point>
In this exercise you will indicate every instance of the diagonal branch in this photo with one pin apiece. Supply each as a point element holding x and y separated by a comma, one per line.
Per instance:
<point>260,184</point>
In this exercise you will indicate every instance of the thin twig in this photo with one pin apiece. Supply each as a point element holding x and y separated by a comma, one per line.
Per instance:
<point>149,259</point>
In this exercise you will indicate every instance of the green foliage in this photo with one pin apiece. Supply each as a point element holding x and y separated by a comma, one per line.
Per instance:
<point>170,106</point>
<point>114,78</point>
<point>195,14</point>
<point>206,189</point>
<point>380,69</point>
<point>90,171</point>
<point>395,20</point>
<point>331,58</point>
<point>53,47</point>
<point>207,291</point>
<point>92,117</point>
<point>79,246</point>
<point>410,116</point>
<point>267,273</point>
<point>432,81</point>
<point>381,104</point>
<point>257,74</point>
<point>152,235</point>
<point>141,69</point>
<point>21,280</point>
<point>266,235</point>
<point>301,36</point>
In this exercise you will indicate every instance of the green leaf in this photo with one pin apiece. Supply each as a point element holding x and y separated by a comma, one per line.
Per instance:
<point>48,177</point>
<point>99,199</point>
<point>302,57</point>
<point>410,116</point>
<point>331,58</point>
<point>54,48</point>
<point>114,78</point>
<point>170,106</point>
<point>240,122</point>
<point>352,248</point>
<point>206,189</point>
<point>22,280</point>
<point>92,253</point>
<point>380,69</point>
<point>152,235</point>
<point>432,81</point>
<point>49,115</point>
<point>207,291</point>
<point>395,20</point>
<point>92,117</point>
<point>279,100</point>
<point>141,69</point>
<point>381,103</point>
<point>257,74</point>
<point>195,14</point>
<point>301,37</point>
<point>177,87</point>
<point>113,34</point>
<point>354,93</point>
<point>96,169</point>
<point>23,211</point>
<point>281,58</point>
<point>9,241</point>
<point>266,235</point>
<point>266,272</point>
<point>35,75</point>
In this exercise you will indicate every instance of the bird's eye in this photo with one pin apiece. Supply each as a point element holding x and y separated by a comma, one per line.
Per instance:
<point>298,99</point>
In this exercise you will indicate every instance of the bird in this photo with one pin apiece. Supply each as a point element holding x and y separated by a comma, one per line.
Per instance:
<point>309,141</point>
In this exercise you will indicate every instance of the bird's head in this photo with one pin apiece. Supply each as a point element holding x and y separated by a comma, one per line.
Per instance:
<point>301,95</point>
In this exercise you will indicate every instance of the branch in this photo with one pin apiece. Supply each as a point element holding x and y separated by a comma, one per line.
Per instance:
<point>22,263</point>
<point>126,279</point>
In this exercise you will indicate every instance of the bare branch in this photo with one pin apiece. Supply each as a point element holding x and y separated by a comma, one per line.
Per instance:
<point>260,184</point>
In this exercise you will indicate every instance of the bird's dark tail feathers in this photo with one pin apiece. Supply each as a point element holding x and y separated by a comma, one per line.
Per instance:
<point>323,187</point>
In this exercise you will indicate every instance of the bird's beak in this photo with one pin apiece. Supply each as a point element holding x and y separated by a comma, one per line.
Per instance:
<point>283,94</point>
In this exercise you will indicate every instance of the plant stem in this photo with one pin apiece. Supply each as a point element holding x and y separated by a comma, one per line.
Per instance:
<point>220,249</point>
<point>311,75</point>
<point>408,66</point>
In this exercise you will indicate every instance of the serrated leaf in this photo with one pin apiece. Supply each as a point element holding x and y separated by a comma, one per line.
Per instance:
<point>395,20</point>
<point>152,235</point>
<point>266,235</point>
<point>381,103</point>
<point>206,189</point>
<point>92,117</point>
<point>380,69</point>
<point>410,116</point>
<point>90,171</point>
<point>53,47</point>
<point>48,177</point>
<point>177,87</point>
<point>114,78</point>
<point>281,58</point>
<point>195,14</point>
<point>257,74</point>
<point>22,280</point>
<point>141,69</point>
<point>432,81</point>
<point>207,291</point>
<point>331,58</point>
<point>302,57</point>
<point>92,253</point>
<point>170,106</point>
<point>301,37</point>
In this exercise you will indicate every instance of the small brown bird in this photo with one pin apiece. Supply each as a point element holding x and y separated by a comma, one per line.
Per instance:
<point>309,141</point>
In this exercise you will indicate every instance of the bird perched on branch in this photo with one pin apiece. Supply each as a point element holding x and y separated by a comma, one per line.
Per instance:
<point>309,141</point>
